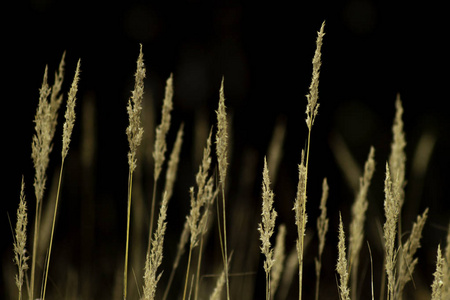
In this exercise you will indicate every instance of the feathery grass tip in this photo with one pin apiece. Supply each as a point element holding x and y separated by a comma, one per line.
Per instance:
<point>313,96</point>
<point>70,112</point>
<point>154,258</point>
<point>134,130</point>
<point>163,128</point>
<point>342,266</point>
<point>222,135</point>
<point>20,240</point>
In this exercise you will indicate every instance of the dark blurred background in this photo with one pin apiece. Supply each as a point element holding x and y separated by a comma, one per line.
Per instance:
<point>372,50</point>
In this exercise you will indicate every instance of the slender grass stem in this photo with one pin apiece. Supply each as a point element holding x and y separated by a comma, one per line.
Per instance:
<point>33,255</point>
<point>267,286</point>
<point>301,234</point>
<point>199,262</point>
<point>187,272</point>
<point>53,229</point>
<point>125,271</point>
<point>225,243</point>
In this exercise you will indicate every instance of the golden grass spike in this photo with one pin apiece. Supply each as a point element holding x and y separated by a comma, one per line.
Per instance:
<point>160,147</point>
<point>359,209</point>
<point>67,133</point>
<point>313,96</point>
<point>154,258</point>
<point>407,262</point>
<point>163,128</point>
<point>267,226</point>
<point>20,240</point>
<point>301,217</point>
<point>222,159</point>
<point>40,151</point>
<point>391,211</point>
<point>134,133</point>
<point>279,256</point>
<point>437,286</point>
<point>342,265</point>
<point>322,229</point>
<point>172,165</point>
<point>222,136</point>
<point>70,112</point>
<point>134,130</point>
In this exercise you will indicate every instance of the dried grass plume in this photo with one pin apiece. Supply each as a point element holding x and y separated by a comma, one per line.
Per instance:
<point>20,240</point>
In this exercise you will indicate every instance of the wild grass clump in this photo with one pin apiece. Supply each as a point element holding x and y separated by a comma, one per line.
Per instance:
<point>210,226</point>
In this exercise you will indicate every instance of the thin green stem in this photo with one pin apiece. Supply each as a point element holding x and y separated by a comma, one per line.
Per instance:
<point>125,271</point>
<point>318,280</point>
<point>33,256</point>
<point>199,262</point>
<point>53,229</point>
<point>187,272</point>
<point>225,243</point>
<point>301,234</point>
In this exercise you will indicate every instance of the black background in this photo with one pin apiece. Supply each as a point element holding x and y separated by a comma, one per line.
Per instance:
<point>372,51</point>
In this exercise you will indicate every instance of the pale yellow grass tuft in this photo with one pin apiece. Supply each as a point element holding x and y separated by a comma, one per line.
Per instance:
<point>222,159</point>
<point>279,256</point>
<point>391,211</point>
<point>154,258</point>
<point>407,262</point>
<point>20,240</point>
<point>438,283</point>
<point>67,133</point>
<point>163,128</point>
<point>45,127</point>
<point>311,112</point>
<point>134,108</point>
<point>222,136</point>
<point>359,209</point>
<point>322,229</point>
<point>160,147</point>
<point>70,112</point>
<point>267,226</point>
<point>313,96</point>
<point>342,265</point>
<point>300,214</point>
<point>40,151</point>
<point>198,201</point>
<point>134,133</point>
<point>397,158</point>
<point>172,165</point>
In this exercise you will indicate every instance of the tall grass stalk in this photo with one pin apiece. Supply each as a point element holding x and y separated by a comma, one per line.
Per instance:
<point>359,209</point>
<point>407,262</point>
<point>45,126</point>
<point>279,256</point>
<point>391,211</point>
<point>222,153</point>
<point>160,148</point>
<point>154,258</point>
<point>198,201</point>
<point>67,133</point>
<point>267,226</point>
<point>134,133</point>
<point>311,113</point>
<point>322,229</point>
